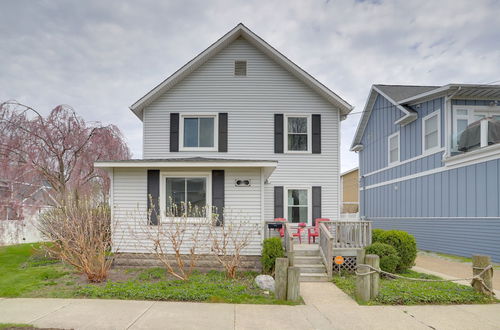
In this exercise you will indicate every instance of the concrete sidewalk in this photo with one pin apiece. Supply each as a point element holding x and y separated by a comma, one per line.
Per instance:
<point>327,307</point>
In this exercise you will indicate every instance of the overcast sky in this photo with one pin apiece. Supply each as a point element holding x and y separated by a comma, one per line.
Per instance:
<point>101,56</point>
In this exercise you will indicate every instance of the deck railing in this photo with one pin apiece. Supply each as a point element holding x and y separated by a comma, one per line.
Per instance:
<point>288,238</point>
<point>326,247</point>
<point>350,234</point>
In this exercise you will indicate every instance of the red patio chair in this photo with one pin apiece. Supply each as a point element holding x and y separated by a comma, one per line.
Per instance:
<point>314,231</point>
<point>282,229</point>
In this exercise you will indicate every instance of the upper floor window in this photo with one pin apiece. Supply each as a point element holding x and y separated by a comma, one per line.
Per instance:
<point>393,147</point>
<point>198,132</point>
<point>298,134</point>
<point>466,127</point>
<point>430,132</point>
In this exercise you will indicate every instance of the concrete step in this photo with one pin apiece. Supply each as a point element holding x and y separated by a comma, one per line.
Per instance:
<point>312,268</point>
<point>314,277</point>
<point>297,261</point>
<point>306,253</point>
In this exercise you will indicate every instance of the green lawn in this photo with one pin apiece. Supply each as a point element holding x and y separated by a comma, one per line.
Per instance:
<point>4,326</point>
<point>26,272</point>
<point>405,292</point>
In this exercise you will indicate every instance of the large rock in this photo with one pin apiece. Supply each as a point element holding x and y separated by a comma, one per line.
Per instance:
<point>265,282</point>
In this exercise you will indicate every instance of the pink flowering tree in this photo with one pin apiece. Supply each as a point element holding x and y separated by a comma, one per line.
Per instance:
<point>52,156</point>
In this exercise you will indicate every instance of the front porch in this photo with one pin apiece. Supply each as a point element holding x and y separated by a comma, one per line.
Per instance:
<point>336,238</point>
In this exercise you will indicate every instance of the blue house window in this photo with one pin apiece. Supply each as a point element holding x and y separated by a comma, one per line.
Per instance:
<point>393,148</point>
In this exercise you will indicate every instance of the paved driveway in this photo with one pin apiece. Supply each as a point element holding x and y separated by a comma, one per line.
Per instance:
<point>326,307</point>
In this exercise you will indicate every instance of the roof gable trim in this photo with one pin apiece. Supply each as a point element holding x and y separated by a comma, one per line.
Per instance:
<point>259,43</point>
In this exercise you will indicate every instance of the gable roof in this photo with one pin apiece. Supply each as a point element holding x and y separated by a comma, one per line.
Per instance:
<point>240,31</point>
<point>394,94</point>
<point>401,95</point>
<point>401,92</point>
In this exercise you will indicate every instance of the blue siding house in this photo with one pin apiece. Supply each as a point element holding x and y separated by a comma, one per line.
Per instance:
<point>429,162</point>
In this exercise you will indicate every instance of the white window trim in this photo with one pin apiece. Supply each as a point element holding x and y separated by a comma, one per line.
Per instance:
<point>309,202</point>
<point>309,134</point>
<point>163,194</point>
<point>437,114</point>
<point>389,149</point>
<point>199,115</point>
<point>472,110</point>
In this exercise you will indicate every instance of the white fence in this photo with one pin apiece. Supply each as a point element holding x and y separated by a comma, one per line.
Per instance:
<point>19,231</point>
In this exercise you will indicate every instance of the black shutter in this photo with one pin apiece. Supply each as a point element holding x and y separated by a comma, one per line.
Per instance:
<point>316,134</point>
<point>153,196</point>
<point>316,203</point>
<point>218,195</point>
<point>278,133</point>
<point>222,132</point>
<point>278,202</point>
<point>174,132</point>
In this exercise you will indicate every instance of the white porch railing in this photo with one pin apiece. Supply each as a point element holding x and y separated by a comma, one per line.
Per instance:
<point>326,247</point>
<point>350,234</point>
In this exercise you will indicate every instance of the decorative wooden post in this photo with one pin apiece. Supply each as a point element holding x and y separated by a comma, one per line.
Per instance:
<point>360,256</point>
<point>363,284</point>
<point>290,256</point>
<point>374,261</point>
<point>293,292</point>
<point>281,278</point>
<point>479,263</point>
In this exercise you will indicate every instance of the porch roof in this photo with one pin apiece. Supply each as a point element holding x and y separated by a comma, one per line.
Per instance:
<point>267,165</point>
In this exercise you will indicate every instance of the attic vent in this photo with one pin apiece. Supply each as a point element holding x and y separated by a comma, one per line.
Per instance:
<point>240,68</point>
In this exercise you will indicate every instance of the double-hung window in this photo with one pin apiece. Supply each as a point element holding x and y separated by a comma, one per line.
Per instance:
<point>297,205</point>
<point>393,147</point>
<point>298,134</point>
<point>198,132</point>
<point>186,196</point>
<point>430,132</point>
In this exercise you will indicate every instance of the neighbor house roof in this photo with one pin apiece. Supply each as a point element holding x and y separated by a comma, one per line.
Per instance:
<point>240,31</point>
<point>402,95</point>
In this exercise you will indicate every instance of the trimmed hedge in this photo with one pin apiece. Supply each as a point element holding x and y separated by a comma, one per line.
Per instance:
<point>405,245</point>
<point>389,259</point>
<point>271,250</point>
<point>376,234</point>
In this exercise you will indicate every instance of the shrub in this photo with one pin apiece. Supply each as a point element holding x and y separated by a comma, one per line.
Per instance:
<point>272,249</point>
<point>389,259</point>
<point>405,245</point>
<point>80,229</point>
<point>376,235</point>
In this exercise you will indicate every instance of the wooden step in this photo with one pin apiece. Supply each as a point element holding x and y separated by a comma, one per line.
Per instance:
<point>297,261</point>
<point>314,277</point>
<point>306,253</point>
<point>316,268</point>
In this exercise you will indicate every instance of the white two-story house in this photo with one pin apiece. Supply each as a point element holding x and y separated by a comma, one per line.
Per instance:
<point>238,127</point>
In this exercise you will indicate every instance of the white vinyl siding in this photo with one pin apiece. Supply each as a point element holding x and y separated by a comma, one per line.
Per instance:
<point>129,206</point>
<point>251,104</point>
<point>393,148</point>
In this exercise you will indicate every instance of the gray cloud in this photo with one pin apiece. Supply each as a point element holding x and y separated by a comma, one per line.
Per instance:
<point>101,56</point>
